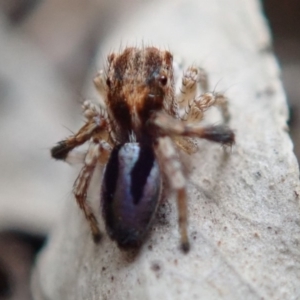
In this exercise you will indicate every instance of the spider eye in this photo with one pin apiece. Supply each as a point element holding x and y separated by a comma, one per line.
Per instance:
<point>108,82</point>
<point>163,80</point>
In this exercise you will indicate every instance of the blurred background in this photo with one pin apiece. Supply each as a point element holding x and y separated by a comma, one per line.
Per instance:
<point>47,51</point>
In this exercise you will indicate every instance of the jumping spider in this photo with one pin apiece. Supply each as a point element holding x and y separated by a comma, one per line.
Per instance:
<point>146,118</point>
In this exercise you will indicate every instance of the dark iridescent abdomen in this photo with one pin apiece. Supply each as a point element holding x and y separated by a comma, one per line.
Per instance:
<point>130,193</point>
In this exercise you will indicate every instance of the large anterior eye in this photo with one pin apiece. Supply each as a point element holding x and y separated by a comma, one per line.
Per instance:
<point>163,80</point>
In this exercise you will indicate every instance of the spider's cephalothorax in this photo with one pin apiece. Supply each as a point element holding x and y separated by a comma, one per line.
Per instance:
<point>147,117</point>
<point>139,82</point>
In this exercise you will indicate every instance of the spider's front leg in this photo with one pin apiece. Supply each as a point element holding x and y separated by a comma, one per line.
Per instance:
<point>97,121</point>
<point>95,152</point>
<point>174,127</point>
<point>172,168</point>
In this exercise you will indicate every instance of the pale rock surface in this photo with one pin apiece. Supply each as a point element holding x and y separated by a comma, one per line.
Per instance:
<point>244,216</point>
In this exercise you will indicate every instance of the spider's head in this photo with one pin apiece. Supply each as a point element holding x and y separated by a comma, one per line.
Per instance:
<point>139,81</point>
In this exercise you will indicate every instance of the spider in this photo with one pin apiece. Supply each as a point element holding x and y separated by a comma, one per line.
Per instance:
<point>149,114</point>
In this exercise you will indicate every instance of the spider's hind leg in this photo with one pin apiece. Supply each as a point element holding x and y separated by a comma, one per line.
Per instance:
<point>83,181</point>
<point>172,168</point>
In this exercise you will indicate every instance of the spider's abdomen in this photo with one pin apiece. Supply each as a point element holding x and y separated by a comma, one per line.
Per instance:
<point>130,193</point>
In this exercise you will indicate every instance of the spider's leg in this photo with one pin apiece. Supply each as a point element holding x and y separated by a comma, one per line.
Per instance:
<point>97,121</point>
<point>172,168</point>
<point>82,182</point>
<point>170,126</point>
